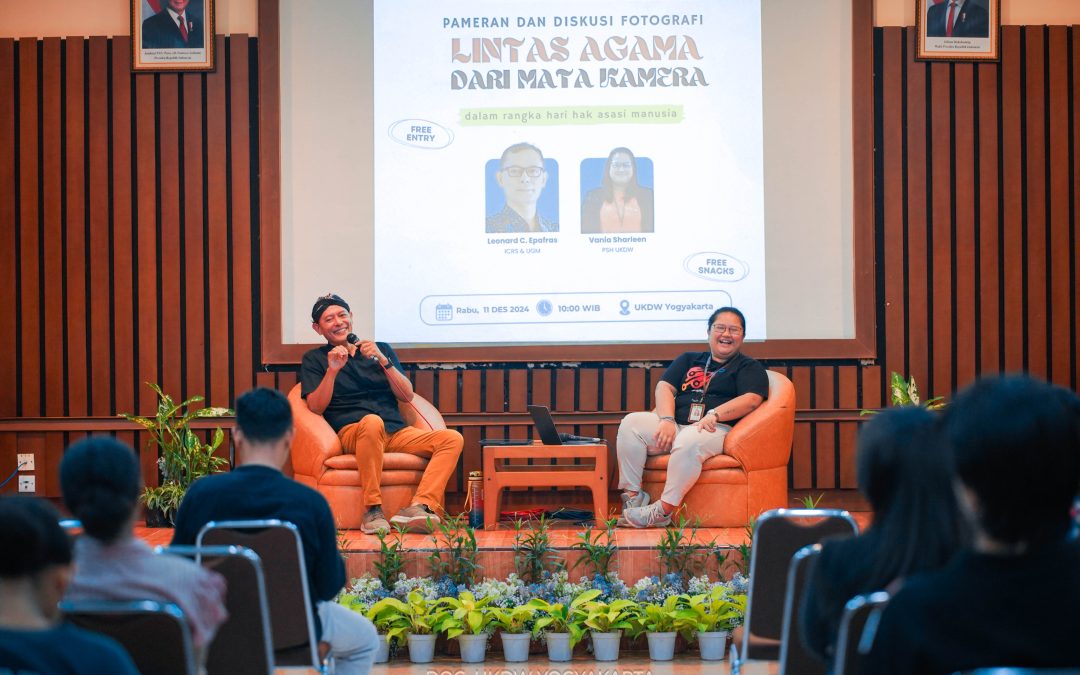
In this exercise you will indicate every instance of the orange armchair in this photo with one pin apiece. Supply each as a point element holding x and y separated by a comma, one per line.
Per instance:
<point>319,461</point>
<point>750,476</point>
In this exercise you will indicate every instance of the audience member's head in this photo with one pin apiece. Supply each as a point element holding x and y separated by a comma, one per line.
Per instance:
<point>100,482</point>
<point>904,471</point>
<point>264,424</point>
<point>35,552</point>
<point>1016,446</point>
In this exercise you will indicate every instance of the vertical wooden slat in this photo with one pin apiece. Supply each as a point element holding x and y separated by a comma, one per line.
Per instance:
<point>169,242</point>
<point>448,390</point>
<point>243,320</point>
<point>8,253</point>
<point>1012,243</point>
<point>847,397</point>
<point>123,262</point>
<point>941,290</point>
<point>101,364</point>
<point>541,388</point>
<point>918,346</point>
<point>636,394</point>
<point>29,241</point>
<point>52,239</point>
<point>518,395</point>
<point>588,389</point>
<point>194,284</point>
<point>564,389</point>
<point>871,387</point>
<point>146,232</point>
<point>964,245</point>
<point>613,388</point>
<point>893,195</point>
<point>494,390</point>
<point>801,446</point>
<point>1061,358</point>
<point>470,391</point>
<point>77,385</point>
<point>990,338</point>
<point>218,237</point>
<point>1076,204</point>
<point>1034,140</point>
<point>825,432</point>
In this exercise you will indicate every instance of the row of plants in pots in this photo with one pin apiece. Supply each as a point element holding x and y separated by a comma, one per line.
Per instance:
<point>601,608</point>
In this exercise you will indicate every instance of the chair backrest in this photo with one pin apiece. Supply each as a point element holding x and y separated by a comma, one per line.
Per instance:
<point>858,624</point>
<point>155,634</point>
<point>248,607</point>
<point>794,657</point>
<point>278,546</point>
<point>778,534</point>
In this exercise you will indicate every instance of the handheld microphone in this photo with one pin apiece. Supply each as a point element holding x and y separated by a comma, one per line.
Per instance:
<point>353,340</point>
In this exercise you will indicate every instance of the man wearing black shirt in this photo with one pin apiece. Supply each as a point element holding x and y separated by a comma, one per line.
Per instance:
<point>356,387</point>
<point>257,490</point>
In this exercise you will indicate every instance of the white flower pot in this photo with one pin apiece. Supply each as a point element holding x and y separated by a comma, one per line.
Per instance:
<point>711,645</point>
<point>606,645</point>
<point>473,647</point>
<point>516,646</point>
<point>421,648</point>
<point>661,646</point>
<point>558,647</point>
<point>382,654</point>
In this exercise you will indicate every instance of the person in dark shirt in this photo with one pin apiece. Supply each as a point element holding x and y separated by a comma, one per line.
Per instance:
<point>257,490</point>
<point>699,398</point>
<point>356,388</point>
<point>1012,598</point>
<point>35,567</point>
<point>917,526</point>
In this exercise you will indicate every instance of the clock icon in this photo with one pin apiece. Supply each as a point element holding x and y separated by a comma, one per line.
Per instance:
<point>543,308</point>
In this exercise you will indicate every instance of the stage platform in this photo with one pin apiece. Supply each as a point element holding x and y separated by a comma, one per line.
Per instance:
<point>636,556</point>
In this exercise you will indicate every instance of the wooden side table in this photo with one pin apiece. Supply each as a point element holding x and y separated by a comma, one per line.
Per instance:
<point>498,474</point>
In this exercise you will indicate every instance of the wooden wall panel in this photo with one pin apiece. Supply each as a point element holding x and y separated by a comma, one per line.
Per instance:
<point>131,200</point>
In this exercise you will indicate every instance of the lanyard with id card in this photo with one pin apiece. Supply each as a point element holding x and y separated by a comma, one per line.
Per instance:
<point>697,401</point>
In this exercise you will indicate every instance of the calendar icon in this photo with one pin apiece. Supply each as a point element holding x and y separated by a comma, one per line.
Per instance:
<point>444,312</point>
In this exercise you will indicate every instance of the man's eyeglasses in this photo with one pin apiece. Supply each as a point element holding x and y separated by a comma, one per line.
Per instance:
<point>530,171</point>
<point>720,329</point>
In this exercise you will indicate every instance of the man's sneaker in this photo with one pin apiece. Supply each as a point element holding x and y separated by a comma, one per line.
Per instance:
<point>640,499</point>
<point>651,515</point>
<point>374,521</point>
<point>416,518</point>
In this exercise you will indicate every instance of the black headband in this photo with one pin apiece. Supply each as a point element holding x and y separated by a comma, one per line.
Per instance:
<point>328,300</point>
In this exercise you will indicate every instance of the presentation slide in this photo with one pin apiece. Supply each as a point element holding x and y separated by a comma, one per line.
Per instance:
<point>566,172</point>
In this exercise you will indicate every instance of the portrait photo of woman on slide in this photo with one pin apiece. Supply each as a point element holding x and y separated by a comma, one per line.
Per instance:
<point>621,203</point>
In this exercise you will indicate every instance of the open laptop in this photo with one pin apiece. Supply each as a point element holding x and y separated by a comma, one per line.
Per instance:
<point>545,428</point>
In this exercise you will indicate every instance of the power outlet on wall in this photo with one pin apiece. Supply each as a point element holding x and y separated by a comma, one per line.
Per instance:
<point>27,484</point>
<point>25,461</point>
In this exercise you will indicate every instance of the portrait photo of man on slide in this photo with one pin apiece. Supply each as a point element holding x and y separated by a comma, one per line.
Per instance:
<point>522,175</point>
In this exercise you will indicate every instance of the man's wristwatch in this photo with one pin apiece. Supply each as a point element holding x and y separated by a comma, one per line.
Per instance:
<point>714,414</point>
<point>667,417</point>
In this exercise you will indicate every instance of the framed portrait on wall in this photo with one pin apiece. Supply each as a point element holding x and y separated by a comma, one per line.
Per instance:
<point>957,30</point>
<point>172,35</point>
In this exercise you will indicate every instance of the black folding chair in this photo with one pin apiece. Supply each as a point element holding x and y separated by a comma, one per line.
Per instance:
<point>249,610</point>
<point>278,545</point>
<point>155,634</point>
<point>794,657</point>
<point>858,624</point>
<point>778,534</point>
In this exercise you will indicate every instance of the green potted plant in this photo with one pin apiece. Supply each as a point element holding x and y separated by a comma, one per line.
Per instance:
<point>712,617</point>
<point>416,619</point>
<point>383,620</point>
<point>470,621</point>
<point>661,623</point>
<point>182,455</point>
<point>514,626</point>
<point>606,621</point>
<point>559,625</point>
